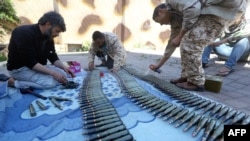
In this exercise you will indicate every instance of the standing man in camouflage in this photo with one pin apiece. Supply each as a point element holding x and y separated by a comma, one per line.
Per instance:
<point>194,24</point>
<point>107,44</point>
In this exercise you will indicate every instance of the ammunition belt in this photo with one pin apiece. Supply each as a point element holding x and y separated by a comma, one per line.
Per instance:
<point>201,112</point>
<point>101,120</point>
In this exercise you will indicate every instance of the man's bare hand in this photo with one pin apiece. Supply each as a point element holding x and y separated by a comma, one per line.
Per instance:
<point>67,70</point>
<point>60,77</point>
<point>114,70</point>
<point>153,67</point>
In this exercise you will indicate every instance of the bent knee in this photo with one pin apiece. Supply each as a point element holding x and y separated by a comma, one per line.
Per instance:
<point>49,84</point>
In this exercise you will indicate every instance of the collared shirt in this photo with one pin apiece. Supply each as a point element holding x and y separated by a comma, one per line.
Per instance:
<point>28,47</point>
<point>114,48</point>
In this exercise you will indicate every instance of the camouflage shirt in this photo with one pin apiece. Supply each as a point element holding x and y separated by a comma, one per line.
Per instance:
<point>175,25</point>
<point>192,9</point>
<point>114,48</point>
<point>187,12</point>
<point>237,32</point>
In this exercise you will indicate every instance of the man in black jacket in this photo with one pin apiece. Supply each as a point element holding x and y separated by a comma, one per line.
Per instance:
<point>30,47</point>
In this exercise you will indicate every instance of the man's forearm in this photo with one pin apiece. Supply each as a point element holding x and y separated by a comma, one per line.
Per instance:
<point>42,69</point>
<point>59,64</point>
<point>91,57</point>
<point>162,61</point>
<point>182,33</point>
<point>168,52</point>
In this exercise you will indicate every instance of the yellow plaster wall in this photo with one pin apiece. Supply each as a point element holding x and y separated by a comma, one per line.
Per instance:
<point>131,20</point>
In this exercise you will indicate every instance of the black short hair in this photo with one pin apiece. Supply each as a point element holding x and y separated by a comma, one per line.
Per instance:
<point>155,13</point>
<point>97,35</point>
<point>54,18</point>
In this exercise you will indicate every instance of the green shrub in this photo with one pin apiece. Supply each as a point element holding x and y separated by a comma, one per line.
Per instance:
<point>3,57</point>
<point>8,17</point>
<point>86,45</point>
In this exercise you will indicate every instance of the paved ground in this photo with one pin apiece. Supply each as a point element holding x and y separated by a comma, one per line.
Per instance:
<point>235,90</point>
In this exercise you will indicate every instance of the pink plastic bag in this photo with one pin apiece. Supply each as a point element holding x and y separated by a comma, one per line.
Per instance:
<point>74,66</point>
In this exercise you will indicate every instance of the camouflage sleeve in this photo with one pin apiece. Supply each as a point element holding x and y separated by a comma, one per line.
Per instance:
<point>169,50</point>
<point>238,37</point>
<point>175,29</point>
<point>91,54</point>
<point>190,10</point>
<point>243,33</point>
<point>119,54</point>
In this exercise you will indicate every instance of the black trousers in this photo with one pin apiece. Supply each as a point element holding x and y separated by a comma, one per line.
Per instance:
<point>109,61</point>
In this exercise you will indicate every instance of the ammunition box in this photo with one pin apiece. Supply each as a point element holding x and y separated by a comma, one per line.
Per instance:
<point>213,83</point>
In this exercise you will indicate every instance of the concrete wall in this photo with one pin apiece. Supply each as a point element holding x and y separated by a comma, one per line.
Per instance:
<point>131,20</point>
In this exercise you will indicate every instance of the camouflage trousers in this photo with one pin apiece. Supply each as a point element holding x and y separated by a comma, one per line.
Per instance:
<point>204,32</point>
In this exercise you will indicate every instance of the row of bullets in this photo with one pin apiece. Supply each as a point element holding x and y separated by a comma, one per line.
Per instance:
<point>163,109</point>
<point>226,114</point>
<point>101,120</point>
<point>191,100</point>
<point>166,110</point>
<point>55,100</point>
<point>161,84</point>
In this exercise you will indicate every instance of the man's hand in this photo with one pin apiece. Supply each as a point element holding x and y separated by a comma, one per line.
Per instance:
<point>153,67</point>
<point>91,66</point>
<point>59,77</point>
<point>67,70</point>
<point>60,65</point>
<point>114,70</point>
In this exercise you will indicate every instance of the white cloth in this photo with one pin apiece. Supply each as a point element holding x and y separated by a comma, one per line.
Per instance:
<point>3,89</point>
<point>25,77</point>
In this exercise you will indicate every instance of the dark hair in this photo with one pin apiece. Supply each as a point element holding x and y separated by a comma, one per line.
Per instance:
<point>97,35</point>
<point>155,13</point>
<point>55,19</point>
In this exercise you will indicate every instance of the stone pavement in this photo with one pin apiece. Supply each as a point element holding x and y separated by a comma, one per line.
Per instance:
<point>235,91</point>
